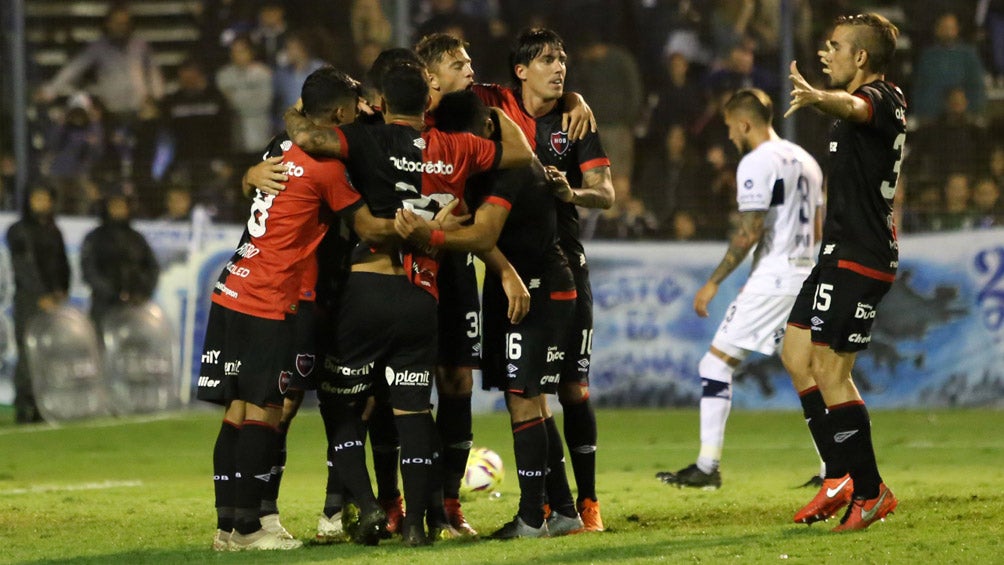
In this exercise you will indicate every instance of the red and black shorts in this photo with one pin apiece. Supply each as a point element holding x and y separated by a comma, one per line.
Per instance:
<point>245,358</point>
<point>385,344</point>
<point>838,302</point>
<point>459,311</point>
<point>525,359</point>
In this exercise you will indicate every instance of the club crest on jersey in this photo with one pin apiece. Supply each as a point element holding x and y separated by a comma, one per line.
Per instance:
<point>284,378</point>
<point>286,145</point>
<point>304,364</point>
<point>559,142</point>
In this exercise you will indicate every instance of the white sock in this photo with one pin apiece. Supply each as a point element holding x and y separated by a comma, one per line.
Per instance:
<point>716,402</point>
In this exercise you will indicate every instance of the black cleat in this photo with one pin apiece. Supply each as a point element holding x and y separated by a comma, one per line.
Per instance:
<point>693,477</point>
<point>414,536</point>
<point>517,528</point>
<point>667,477</point>
<point>371,527</point>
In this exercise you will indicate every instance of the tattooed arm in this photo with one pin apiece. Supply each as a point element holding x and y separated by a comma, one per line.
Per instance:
<point>315,140</point>
<point>597,187</point>
<point>747,234</point>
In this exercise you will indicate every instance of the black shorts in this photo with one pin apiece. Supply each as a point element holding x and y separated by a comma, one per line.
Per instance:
<point>385,343</point>
<point>579,332</point>
<point>838,302</point>
<point>526,358</point>
<point>245,358</point>
<point>459,311</point>
<point>305,346</point>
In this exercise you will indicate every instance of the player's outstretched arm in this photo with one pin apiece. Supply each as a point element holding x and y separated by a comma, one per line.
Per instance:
<point>312,138</point>
<point>479,237</point>
<point>373,231</point>
<point>578,119</point>
<point>597,187</point>
<point>267,176</point>
<point>747,233</point>
<point>516,151</point>
<point>512,284</point>
<point>837,103</point>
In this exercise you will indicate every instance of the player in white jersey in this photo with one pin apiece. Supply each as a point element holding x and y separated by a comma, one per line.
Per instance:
<point>779,191</point>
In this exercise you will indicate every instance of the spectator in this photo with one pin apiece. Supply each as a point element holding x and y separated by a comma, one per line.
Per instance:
<point>680,96</point>
<point>956,213</point>
<point>990,15</point>
<point>247,85</point>
<point>41,278</point>
<point>219,22</point>
<point>116,261</point>
<point>997,164</point>
<point>125,72</point>
<point>197,119</point>
<point>369,24</point>
<point>300,61</point>
<point>679,172</point>
<point>618,109</point>
<point>946,64</point>
<point>956,128</point>
<point>730,21</point>
<point>920,207</point>
<point>74,144</point>
<point>986,204</point>
<point>738,70</point>
<point>627,220</point>
<point>177,204</point>
<point>445,16</point>
<point>270,35</point>
<point>683,226</point>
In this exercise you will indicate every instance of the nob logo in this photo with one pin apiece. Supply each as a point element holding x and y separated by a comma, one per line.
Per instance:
<point>431,167</point>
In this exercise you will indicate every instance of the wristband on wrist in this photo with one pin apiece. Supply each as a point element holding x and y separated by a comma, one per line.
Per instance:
<point>437,238</point>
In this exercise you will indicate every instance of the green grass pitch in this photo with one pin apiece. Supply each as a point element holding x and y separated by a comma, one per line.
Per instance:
<point>140,491</point>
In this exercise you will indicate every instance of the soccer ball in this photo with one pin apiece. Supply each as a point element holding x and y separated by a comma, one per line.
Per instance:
<point>484,471</point>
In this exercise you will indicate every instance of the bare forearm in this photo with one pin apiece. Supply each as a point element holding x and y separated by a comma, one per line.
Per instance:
<point>842,105</point>
<point>495,261</point>
<point>598,189</point>
<point>313,139</point>
<point>747,234</point>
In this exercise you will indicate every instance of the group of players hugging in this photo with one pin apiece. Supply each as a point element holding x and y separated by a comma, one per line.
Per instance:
<point>355,277</point>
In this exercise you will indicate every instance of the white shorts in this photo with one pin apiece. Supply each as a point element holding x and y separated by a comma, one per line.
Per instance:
<point>753,322</point>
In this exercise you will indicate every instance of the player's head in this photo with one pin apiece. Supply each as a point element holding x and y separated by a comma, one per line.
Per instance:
<point>864,43</point>
<point>385,60</point>
<point>748,114</point>
<point>405,90</point>
<point>464,111</point>
<point>446,59</point>
<point>537,63</point>
<point>330,97</point>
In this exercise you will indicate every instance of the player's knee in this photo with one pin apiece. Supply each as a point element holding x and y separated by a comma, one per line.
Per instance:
<point>455,381</point>
<point>572,393</point>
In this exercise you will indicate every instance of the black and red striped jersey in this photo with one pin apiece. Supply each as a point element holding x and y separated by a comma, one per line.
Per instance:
<point>263,277</point>
<point>554,148</point>
<point>864,168</point>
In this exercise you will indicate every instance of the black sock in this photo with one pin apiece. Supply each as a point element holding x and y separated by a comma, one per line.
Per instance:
<point>529,440</point>
<point>256,447</point>
<point>453,419</point>
<point>334,490</point>
<point>580,435</point>
<point>559,495</point>
<point>385,449</point>
<point>347,452</point>
<point>419,454</point>
<point>852,434</point>
<point>270,492</point>
<point>224,470</point>
<point>816,417</point>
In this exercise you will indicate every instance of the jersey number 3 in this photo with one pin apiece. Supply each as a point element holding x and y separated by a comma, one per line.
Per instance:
<point>889,185</point>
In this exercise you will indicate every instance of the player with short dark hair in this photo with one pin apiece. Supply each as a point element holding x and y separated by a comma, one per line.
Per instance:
<point>581,171</point>
<point>779,198</point>
<point>832,317</point>
<point>394,165</point>
<point>247,355</point>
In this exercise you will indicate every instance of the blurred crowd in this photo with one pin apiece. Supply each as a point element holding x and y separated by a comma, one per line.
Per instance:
<point>655,72</point>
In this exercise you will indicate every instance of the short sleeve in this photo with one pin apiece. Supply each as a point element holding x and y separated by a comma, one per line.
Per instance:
<point>755,180</point>
<point>337,190</point>
<point>590,153</point>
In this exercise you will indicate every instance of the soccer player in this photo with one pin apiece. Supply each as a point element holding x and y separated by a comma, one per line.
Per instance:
<point>832,317</point>
<point>780,195</point>
<point>581,171</point>
<point>247,353</point>
<point>399,164</point>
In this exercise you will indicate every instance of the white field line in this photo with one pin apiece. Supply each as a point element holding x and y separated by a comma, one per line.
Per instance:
<point>68,488</point>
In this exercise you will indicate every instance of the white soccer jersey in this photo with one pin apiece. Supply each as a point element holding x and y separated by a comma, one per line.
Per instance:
<point>782,179</point>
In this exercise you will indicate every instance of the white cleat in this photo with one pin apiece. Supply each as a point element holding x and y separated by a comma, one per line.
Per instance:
<point>271,524</point>
<point>330,530</point>
<point>221,541</point>
<point>262,540</point>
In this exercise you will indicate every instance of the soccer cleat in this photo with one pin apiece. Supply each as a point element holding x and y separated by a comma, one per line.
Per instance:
<point>667,477</point>
<point>865,512</point>
<point>456,518</point>
<point>221,541</point>
<point>517,528</point>
<point>261,540</point>
<point>394,507</point>
<point>832,496</point>
<point>350,518</point>
<point>560,525</point>
<point>589,511</point>
<point>270,523</point>
<point>414,536</point>
<point>371,528</point>
<point>693,477</point>
<point>330,530</point>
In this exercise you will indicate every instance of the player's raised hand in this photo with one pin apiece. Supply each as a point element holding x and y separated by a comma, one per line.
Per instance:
<point>267,176</point>
<point>802,93</point>
<point>704,297</point>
